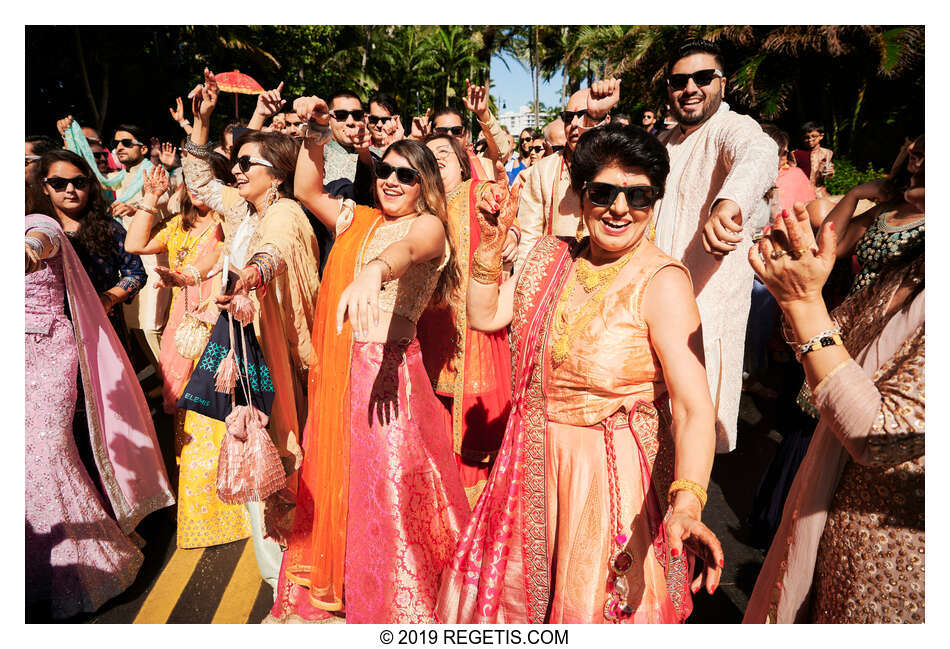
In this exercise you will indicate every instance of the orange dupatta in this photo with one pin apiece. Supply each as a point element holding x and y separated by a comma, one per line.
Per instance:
<point>317,545</point>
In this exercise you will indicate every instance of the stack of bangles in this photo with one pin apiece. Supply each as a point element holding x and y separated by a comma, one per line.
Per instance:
<point>190,272</point>
<point>266,268</point>
<point>198,150</point>
<point>35,245</point>
<point>688,485</point>
<point>484,274</point>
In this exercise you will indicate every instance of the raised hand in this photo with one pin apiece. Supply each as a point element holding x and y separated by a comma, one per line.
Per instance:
<point>166,154</point>
<point>312,109</point>
<point>204,97</point>
<point>395,130</point>
<point>791,264</point>
<point>63,124</point>
<point>362,139</point>
<point>155,181</point>
<point>495,211</point>
<point>476,100</point>
<point>419,127</point>
<point>603,95</point>
<point>178,112</point>
<point>269,101</point>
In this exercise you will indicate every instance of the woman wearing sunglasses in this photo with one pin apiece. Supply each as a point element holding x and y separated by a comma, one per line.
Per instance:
<point>79,551</point>
<point>471,370</point>
<point>98,239</point>
<point>592,512</point>
<point>272,253</point>
<point>380,505</point>
<point>533,150</point>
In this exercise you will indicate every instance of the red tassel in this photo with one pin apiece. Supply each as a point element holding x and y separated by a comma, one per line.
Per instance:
<point>225,377</point>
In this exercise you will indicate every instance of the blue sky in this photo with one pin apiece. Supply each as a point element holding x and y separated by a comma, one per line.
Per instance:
<point>512,87</point>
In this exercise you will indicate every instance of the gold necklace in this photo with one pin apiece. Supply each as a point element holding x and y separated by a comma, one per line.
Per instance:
<point>564,330</point>
<point>185,248</point>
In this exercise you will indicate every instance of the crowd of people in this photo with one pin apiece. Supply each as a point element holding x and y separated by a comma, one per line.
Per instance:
<point>438,378</point>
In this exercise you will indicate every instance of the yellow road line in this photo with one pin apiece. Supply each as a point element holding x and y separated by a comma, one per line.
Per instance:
<point>241,592</point>
<point>168,587</point>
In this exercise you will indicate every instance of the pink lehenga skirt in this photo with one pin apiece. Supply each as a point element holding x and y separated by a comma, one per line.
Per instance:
<point>407,506</point>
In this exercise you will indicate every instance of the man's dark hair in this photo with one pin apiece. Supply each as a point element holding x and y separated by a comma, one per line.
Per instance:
<point>385,101</point>
<point>448,110</point>
<point>696,46</point>
<point>808,127</point>
<point>644,111</point>
<point>42,144</point>
<point>136,131</point>
<point>344,93</point>
<point>626,146</point>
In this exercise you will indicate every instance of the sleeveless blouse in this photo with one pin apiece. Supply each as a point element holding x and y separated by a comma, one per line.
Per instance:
<point>407,296</point>
<point>611,364</point>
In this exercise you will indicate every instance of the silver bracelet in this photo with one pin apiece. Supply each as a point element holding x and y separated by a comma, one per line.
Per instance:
<point>36,245</point>
<point>198,150</point>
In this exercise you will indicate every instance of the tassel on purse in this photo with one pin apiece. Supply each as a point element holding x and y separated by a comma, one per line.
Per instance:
<point>192,334</point>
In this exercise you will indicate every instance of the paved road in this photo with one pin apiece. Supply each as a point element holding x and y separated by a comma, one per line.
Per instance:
<point>222,584</point>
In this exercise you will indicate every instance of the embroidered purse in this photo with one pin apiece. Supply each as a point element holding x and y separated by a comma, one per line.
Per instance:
<point>192,334</point>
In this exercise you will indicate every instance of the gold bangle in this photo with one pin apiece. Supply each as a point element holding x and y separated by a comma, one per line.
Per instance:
<point>484,274</point>
<point>688,485</point>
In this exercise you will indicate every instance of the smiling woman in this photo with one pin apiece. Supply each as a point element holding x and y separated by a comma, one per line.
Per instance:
<point>380,505</point>
<point>606,337</point>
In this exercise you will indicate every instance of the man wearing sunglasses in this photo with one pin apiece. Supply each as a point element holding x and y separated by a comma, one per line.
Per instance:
<point>36,146</point>
<point>721,166</point>
<point>548,204</point>
<point>347,129</point>
<point>383,121</point>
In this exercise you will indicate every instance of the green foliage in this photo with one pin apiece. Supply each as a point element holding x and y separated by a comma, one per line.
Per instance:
<point>848,176</point>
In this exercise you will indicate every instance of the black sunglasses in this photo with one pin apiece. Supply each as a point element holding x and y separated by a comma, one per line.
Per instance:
<point>638,196</point>
<point>341,115</point>
<point>454,130</point>
<point>59,184</point>
<point>405,175</point>
<point>536,149</point>
<point>375,119</point>
<point>127,142</point>
<point>567,116</point>
<point>701,77</point>
<point>557,147</point>
<point>102,154</point>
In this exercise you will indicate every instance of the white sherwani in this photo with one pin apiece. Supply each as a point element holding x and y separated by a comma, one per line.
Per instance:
<point>548,204</point>
<point>728,157</point>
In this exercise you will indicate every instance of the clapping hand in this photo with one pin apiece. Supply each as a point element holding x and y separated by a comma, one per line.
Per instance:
<point>155,182</point>
<point>269,101</point>
<point>603,95</point>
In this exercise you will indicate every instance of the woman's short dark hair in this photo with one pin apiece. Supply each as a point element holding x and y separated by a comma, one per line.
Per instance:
<point>278,149</point>
<point>95,232</point>
<point>625,146</point>
<point>457,148</point>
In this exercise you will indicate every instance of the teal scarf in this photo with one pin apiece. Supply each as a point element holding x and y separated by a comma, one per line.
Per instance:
<point>76,142</point>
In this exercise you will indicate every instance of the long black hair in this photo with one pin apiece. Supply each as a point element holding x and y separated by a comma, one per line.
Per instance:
<point>95,230</point>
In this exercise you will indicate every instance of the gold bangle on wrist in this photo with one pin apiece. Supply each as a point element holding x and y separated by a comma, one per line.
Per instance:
<point>688,485</point>
<point>151,210</point>
<point>484,274</point>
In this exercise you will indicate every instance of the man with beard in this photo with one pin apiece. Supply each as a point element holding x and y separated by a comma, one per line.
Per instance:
<point>721,166</point>
<point>548,204</point>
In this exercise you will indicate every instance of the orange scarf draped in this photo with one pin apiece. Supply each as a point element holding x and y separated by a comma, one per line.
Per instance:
<point>317,545</point>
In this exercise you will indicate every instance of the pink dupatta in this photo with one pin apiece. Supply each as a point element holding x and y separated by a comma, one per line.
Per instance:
<point>120,425</point>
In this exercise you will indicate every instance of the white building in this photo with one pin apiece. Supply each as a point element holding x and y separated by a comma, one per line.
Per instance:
<point>524,118</point>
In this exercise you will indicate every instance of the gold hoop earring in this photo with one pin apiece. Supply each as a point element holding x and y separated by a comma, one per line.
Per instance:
<point>272,194</point>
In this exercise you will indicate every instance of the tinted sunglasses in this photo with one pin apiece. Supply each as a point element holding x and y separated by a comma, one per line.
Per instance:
<point>30,159</point>
<point>567,116</point>
<point>701,77</point>
<point>376,119</point>
<point>638,196</point>
<point>102,154</point>
<point>59,184</point>
<point>536,149</point>
<point>245,162</point>
<point>405,175</point>
<point>127,142</point>
<point>454,130</point>
<point>341,115</point>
